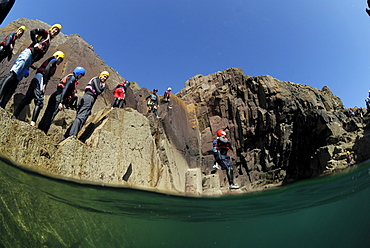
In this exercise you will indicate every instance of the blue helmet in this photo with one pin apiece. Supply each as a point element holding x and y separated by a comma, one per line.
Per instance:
<point>79,70</point>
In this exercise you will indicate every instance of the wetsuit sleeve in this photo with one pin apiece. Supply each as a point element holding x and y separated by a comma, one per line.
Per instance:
<point>34,32</point>
<point>96,85</point>
<point>49,70</point>
<point>70,81</point>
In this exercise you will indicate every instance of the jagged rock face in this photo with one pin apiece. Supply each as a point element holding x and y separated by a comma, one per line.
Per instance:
<point>277,128</point>
<point>118,150</point>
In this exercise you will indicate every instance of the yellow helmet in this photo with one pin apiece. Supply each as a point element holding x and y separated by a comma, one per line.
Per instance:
<point>348,153</point>
<point>104,73</point>
<point>59,54</point>
<point>22,28</point>
<point>56,26</point>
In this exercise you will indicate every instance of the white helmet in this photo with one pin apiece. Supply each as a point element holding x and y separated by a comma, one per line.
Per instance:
<point>169,89</point>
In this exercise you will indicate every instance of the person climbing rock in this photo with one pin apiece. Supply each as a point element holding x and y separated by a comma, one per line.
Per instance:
<point>119,95</point>
<point>40,44</point>
<point>7,45</point>
<point>153,102</point>
<point>36,90</point>
<point>167,97</point>
<point>223,146</point>
<point>93,89</point>
<point>66,87</point>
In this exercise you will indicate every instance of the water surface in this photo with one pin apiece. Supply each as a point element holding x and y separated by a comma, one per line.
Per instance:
<point>36,211</point>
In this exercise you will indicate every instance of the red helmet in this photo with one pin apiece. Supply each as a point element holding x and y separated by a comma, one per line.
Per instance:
<point>220,132</point>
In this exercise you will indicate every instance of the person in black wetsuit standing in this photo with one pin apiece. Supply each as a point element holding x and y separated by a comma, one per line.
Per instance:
<point>7,45</point>
<point>67,87</point>
<point>93,89</point>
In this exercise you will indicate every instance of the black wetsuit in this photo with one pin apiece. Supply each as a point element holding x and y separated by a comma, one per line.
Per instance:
<point>222,147</point>
<point>92,91</point>
<point>59,96</point>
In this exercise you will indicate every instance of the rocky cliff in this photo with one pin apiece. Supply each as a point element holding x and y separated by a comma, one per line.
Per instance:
<point>281,131</point>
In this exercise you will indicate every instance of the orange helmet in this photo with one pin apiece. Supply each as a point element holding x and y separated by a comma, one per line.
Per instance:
<point>220,132</point>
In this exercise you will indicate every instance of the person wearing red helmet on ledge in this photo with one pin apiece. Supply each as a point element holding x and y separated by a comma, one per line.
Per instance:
<point>223,145</point>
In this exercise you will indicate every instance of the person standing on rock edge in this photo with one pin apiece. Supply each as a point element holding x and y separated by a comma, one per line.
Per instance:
<point>93,89</point>
<point>349,158</point>
<point>223,146</point>
<point>7,45</point>
<point>119,95</point>
<point>66,88</point>
<point>36,90</point>
<point>153,102</point>
<point>40,44</point>
<point>167,97</point>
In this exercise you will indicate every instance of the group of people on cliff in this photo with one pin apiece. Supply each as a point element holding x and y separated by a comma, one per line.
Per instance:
<point>65,95</point>
<point>66,92</point>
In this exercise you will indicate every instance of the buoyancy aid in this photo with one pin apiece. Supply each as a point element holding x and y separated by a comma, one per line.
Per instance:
<point>153,97</point>
<point>91,87</point>
<point>42,67</point>
<point>63,82</point>
<point>9,39</point>
<point>223,145</point>
<point>119,92</point>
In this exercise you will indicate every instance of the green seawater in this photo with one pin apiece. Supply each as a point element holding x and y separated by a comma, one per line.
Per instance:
<point>37,211</point>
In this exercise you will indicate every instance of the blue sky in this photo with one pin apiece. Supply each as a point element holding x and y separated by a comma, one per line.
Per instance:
<point>161,43</point>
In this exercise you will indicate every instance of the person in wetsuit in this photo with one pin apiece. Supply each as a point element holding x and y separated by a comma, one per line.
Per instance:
<point>93,89</point>
<point>167,97</point>
<point>119,95</point>
<point>153,102</point>
<point>36,90</point>
<point>222,147</point>
<point>7,45</point>
<point>67,87</point>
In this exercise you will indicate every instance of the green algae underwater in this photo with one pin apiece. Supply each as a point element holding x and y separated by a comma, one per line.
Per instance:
<point>37,211</point>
